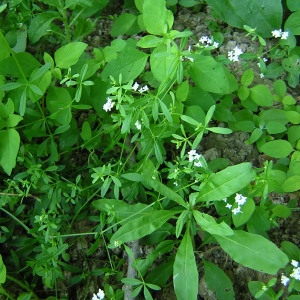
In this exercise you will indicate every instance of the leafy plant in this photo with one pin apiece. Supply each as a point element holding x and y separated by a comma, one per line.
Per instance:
<point>101,152</point>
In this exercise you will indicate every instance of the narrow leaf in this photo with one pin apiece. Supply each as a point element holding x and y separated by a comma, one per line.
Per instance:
<point>142,226</point>
<point>185,273</point>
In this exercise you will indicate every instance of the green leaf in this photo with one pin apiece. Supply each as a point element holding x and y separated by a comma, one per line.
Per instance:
<point>164,190</point>
<point>212,76</point>
<point>2,271</point>
<point>130,62</point>
<point>218,282</point>
<point>142,226</point>
<point>9,148</point>
<point>226,182</point>
<point>291,184</point>
<point>247,77</point>
<point>292,23</point>
<point>209,224</point>
<point>253,251</point>
<point>293,5</point>
<point>131,281</point>
<point>277,149</point>
<point>149,41</point>
<point>68,55</point>
<point>219,130</point>
<point>185,273</point>
<point>246,212</point>
<point>261,95</point>
<point>156,18</point>
<point>281,211</point>
<point>263,16</point>
<point>40,24</point>
<point>125,24</point>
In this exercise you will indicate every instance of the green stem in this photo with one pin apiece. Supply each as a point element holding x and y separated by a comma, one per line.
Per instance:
<point>18,221</point>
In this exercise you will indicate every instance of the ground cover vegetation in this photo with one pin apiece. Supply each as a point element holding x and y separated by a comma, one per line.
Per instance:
<point>100,150</point>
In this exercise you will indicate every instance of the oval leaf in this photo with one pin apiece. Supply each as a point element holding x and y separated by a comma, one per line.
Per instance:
<point>277,149</point>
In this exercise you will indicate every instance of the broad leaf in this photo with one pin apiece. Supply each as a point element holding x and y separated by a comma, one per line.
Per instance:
<point>218,282</point>
<point>226,182</point>
<point>264,16</point>
<point>142,226</point>
<point>277,149</point>
<point>212,76</point>
<point>9,147</point>
<point>156,18</point>
<point>68,55</point>
<point>185,273</point>
<point>2,271</point>
<point>253,251</point>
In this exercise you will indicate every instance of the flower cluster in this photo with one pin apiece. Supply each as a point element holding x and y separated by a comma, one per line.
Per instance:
<point>99,296</point>
<point>135,87</point>
<point>234,55</point>
<point>195,157</point>
<point>208,42</point>
<point>295,273</point>
<point>108,105</point>
<point>240,200</point>
<point>278,33</point>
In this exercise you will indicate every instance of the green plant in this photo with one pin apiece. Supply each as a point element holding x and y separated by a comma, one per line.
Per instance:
<point>106,145</point>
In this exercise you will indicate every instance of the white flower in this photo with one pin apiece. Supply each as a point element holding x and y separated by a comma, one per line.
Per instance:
<point>240,199</point>
<point>234,55</point>
<point>175,183</point>
<point>261,75</point>
<point>294,263</point>
<point>237,210</point>
<point>296,273</point>
<point>203,39</point>
<point>135,86</point>
<point>265,59</point>
<point>284,35</point>
<point>191,59</point>
<point>138,125</point>
<point>284,280</point>
<point>215,44</point>
<point>100,295</point>
<point>108,105</point>
<point>228,206</point>
<point>277,33</point>
<point>198,163</point>
<point>143,89</point>
<point>193,155</point>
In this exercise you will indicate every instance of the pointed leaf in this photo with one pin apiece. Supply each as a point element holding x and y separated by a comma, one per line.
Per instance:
<point>9,148</point>
<point>185,273</point>
<point>142,226</point>
<point>226,182</point>
<point>253,251</point>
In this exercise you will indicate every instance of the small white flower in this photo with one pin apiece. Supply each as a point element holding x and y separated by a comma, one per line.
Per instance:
<point>236,210</point>
<point>215,44</point>
<point>138,125</point>
<point>294,263</point>
<point>284,35</point>
<point>296,273</point>
<point>175,183</point>
<point>237,51</point>
<point>108,105</point>
<point>203,39</point>
<point>191,59</point>
<point>193,155</point>
<point>189,48</point>
<point>240,199</point>
<point>276,33</point>
<point>265,59</point>
<point>143,89</point>
<point>284,280</point>
<point>234,55</point>
<point>261,75</point>
<point>198,164</point>
<point>229,206</point>
<point>100,295</point>
<point>135,86</point>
